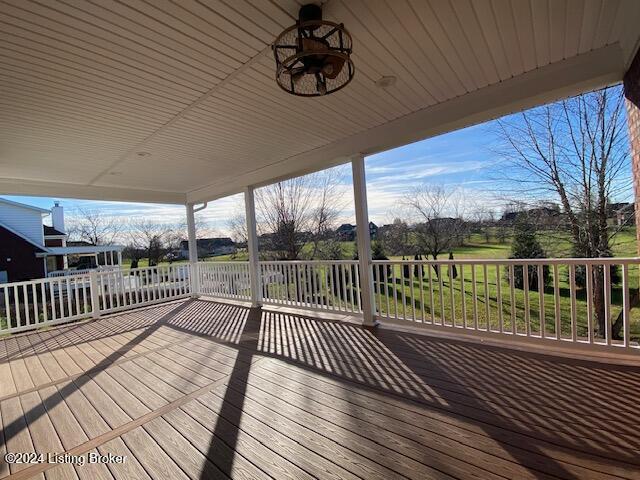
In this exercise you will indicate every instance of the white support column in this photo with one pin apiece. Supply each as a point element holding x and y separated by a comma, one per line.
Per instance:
<point>65,258</point>
<point>120,258</point>
<point>193,250</point>
<point>252,246</point>
<point>363,240</point>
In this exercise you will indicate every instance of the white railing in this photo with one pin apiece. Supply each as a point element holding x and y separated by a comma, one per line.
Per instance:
<point>225,279</point>
<point>71,271</point>
<point>583,301</point>
<point>47,301</point>
<point>322,285</point>
<point>124,289</point>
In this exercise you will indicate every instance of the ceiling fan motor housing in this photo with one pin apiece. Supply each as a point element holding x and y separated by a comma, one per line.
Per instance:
<point>313,57</point>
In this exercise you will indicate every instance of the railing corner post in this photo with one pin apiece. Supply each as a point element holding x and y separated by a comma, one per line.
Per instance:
<point>95,294</point>
<point>194,275</point>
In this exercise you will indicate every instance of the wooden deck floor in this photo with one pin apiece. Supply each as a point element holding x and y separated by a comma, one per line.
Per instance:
<point>197,389</point>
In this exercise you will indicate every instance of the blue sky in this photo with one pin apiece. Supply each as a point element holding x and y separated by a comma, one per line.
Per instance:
<point>461,159</point>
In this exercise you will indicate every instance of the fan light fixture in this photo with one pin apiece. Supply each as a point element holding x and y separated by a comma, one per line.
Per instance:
<point>313,57</point>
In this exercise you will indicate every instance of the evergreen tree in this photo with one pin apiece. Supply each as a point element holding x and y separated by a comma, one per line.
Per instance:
<point>377,253</point>
<point>525,245</point>
<point>454,270</point>
<point>406,269</point>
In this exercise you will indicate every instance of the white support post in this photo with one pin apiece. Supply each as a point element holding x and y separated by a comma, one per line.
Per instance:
<point>252,246</point>
<point>65,258</point>
<point>193,251</point>
<point>119,258</point>
<point>363,240</point>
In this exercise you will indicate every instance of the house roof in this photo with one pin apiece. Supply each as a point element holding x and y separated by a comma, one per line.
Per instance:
<point>52,232</point>
<point>78,243</point>
<point>80,250</point>
<point>24,205</point>
<point>200,116</point>
<point>346,227</point>
<point>18,234</point>
<point>210,242</point>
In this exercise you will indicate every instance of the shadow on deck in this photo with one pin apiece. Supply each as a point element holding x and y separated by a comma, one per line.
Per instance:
<point>207,390</point>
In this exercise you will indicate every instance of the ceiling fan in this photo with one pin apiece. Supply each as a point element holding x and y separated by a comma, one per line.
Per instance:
<point>313,57</point>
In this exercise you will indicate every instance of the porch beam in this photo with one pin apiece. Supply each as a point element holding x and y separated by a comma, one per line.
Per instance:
<point>193,249</point>
<point>252,245</point>
<point>363,240</point>
<point>37,188</point>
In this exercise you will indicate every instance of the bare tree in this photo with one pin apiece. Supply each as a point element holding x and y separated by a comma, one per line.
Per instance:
<point>394,237</point>
<point>149,236</point>
<point>574,151</point>
<point>438,212</point>
<point>237,225</point>
<point>484,218</point>
<point>328,204</point>
<point>94,227</point>
<point>299,210</point>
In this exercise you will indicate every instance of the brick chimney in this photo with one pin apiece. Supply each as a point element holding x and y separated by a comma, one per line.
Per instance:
<point>57,217</point>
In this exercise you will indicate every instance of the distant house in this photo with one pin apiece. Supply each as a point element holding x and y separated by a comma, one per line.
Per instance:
<point>541,215</point>
<point>622,213</point>
<point>373,230</point>
<point>208,247</point>
<point>29,249</point>
<point>347,232</point>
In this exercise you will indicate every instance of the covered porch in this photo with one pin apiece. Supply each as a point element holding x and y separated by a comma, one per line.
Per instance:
<point>303,369</point>
<point>201,389</point>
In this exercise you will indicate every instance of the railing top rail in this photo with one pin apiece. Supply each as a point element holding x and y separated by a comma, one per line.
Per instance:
<point>141,269</point>
<point>43,280</point>
<point>305,262</point>
<point>517,261</point>
<point>222,262</point>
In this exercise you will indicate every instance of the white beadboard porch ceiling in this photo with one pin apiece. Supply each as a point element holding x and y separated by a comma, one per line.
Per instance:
<point>86,86</point>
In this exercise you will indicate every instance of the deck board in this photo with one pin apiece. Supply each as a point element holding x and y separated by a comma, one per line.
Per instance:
<point>483,437</point>
<point>197,389</point>
<point>44,435</point>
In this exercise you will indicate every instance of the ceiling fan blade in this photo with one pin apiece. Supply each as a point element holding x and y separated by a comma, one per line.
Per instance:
<point>295,71</point>
<point>332,66</point>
